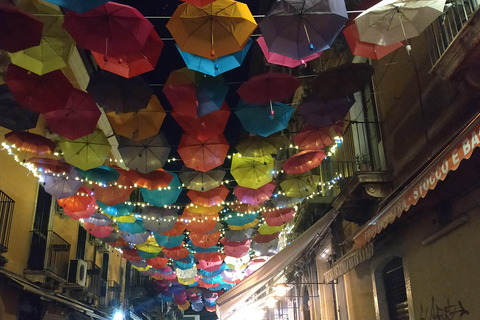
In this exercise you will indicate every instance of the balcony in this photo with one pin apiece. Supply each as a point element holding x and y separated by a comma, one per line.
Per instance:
<point>6,212</point>
<point>111,299</point>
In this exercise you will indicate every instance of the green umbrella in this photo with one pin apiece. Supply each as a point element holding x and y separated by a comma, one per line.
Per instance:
<point>86,152</point>
<point>252,172</point>
<point>300,185</point>
<point>266,229</point>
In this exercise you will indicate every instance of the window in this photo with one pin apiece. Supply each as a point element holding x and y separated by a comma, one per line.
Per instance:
<point>395,290</point>
<point>81,240</point>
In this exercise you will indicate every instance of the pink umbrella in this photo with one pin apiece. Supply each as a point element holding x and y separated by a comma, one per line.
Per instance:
<point>98,231</point>
<point>278,217</point>
<point>238,250</point>
<point>275,58</point>
<point>312,138</point>
<point>303,161</point>
<point>254,196</point>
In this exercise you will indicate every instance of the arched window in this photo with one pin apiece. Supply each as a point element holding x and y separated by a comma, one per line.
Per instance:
<point>395,289</point>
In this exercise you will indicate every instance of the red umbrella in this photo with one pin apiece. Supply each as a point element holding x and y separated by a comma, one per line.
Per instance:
<point>131,255</point>
<point>277,217</point>
<point>176,253</point>
<point>209,198</point>
<point>119,243</point>
<point>203,155</point>
<point>204,240</point>
<point>312,138</point>
<point>82,201</point>
<point>303,161</point>
<point>254,196</point>
<point>19,29</point>
<point>204,127</point>
<point>237,250</point>
<point>112,29</point>
<point>98,231</point>
<point>209,256</point>
<point>50,165</point>
<point>265,238</point>
<point>157,262</point>
<point>206,285</point>
<point>199,3</point>
<point>31,142</point>
<point>82,214</point>
<point>115,193</point>
<point>202,223</point>
<point>39,93</point>
<point>268,87</point>
<point>135,63</point>
<point>177,229</point>
<point>152,180</point>
<point>78,118</point>
<point>243,207</point>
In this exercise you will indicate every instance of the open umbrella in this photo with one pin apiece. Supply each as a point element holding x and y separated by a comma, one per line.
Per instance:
<point>200,223</point>
<point>118,210</point>
<point>166,196</point>
<point>30,142</point>
<point>14,116</point>
<point>157,262</point>
<point>261,238</point>
<point>132,64</point>
<point>203,30</point>
<point>279,59</point>
<point>238,235</point>
<point>158,220</point>
<point>199,3</point>
<point>48,165</point>
<point>323,113</point>
<point>19,29</point>
<point>252,172</point>
<point>134,237</point>
<point>204,240</point>
<point>257,146</point>
<point>240,219</point>
<point>98,231</point>
<point>141,124</point>
<point>243,207</point>
<point>238,249</point>
<point>177,229</point>
<point>131,227</point>
<point>266,229</point>
<point>64,185</point>
<point>245,226</point>
<point>80,6</point>
<point>209,198</point>
<point>114,239</point>
<point>169,242</point>
<point>99,219</point>
<point>298,28</point>
<point>77,118</point>
<point>255,196</point>
<point>111,29</point>
<point>201,181</point>
<point>265,249</point>
<point>300,185</point>
<point>115,93</point>
<point>87,152</point>
<point>303,161</point>
<point>312,138</point>
<point>203,155</point>
<point>150,246</point>
<point>146,155</point>
<point>176,253</point>
<point>218,65</point>
<point>268,87</point>
<point>115,193</point>
<point>82,201</point>
<point>102,174</point>
<point>131,255</point>
<point>277,217</point>
<point>264,120</point>
<point>158,179</point>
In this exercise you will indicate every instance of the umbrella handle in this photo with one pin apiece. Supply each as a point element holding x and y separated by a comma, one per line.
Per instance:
<point>408,47</point>
<point>310,44</point>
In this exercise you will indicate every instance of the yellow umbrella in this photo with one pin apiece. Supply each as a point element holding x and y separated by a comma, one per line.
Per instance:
<point>245,226</point>
<point>215,30</point>
<point>126,219</point>
<point>266,229</point>
<point>186,281</point>
<point>201,209</point>
<point>258,146</point>
<point>141,268</point>
<point>300,185</point>
<point>149,246</point>
<point>141,124</point>
<point>252,172</point>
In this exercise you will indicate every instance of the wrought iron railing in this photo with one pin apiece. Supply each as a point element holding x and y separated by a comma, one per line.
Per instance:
<point>58,255</point>
<point>114,291</point>
<point>93,279</point>
<point>6,212</point>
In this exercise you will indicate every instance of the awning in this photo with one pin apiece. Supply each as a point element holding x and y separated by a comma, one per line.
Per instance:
<point>448,160</point>
<point>234,299</point>
<point>348,262</point>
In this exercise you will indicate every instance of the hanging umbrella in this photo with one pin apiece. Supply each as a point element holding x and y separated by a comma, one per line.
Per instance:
<point>266,229</point>
<point>149,246</point>
<point>176,252</point>
<point>238,250</point>
<point>204,127</point>
<point>238,235</point>
<point>98,231</point>
<point>48,165</point>
<point>216,66</point>
<point>146,255</point>
<point>265,249</point>
<point>252,172</point>
<point>200,223</point>
<point>112,29</point>
<point>209,198</point>
<point>322,113</point>
<point>115,193</point>
<point>30,142</point>
<point>256,146</point>
<point>177,229</point>
<point>204,240</point>
<point>339,82</point>
<point>185,263</point>
<point>303,161</point>
<point>203,155</point>
<point>115,93</point>
<point>240,219</point>
<point>113,238</point>
<point>135,63</point>
<point>312,138</point>
<point>245,226</point>
<point>102,174</point>
<point>201,181</point>
<point>78,118</point>
<point>237,263</point>
<point>81,201</point>
<point>141,124</point>
<point>126,219</point>
<point>243,207</point>
<point>277,217</point>
<point>134,227</point>
<point>14,116</point>
<point>186,274</point>
<point>157,262</point>
<point>131,255</point>
<point>166,196</point>
<point>199,3</point>
<point>281,60</point>
<point>80,6</point>
<point>255,196</point>
<point>134,237</point>
<point>193,248</point>
<point>264,120</point>
<point>268,87</point>
<point>300,185</point>
<point>147,155</point>
<point>392,21</point>
<point>169,242</point>
<point>159,220</point>
<point>194,209</point>
<point>99,219</point>
<point>118,210</point>
<point>281,201</point>
<point>39,93</point>
<point>298,28</point>
<point>158,179</point>
<point>202,30</point>
<point>19,29</point>
<point>261,238</point>
<point>63,186</point>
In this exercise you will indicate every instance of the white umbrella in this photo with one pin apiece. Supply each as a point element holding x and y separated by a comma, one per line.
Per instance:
<point>391,21</point>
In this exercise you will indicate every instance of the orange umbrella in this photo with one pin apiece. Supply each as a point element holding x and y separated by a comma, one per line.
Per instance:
<point>119,243</point>
<point>82,201</point>
<point>203,155</point>
<point>206,285</point>
<point>243,207</point>
<point>265,238</point>
<point>177,229</point>
<point>209,198</point>
<point>152,180</point>
<point>204,240</point>
<point>157,262</point>
<point>312,138</point>
<point>31,142</point>
<point>50,165</point>
<point>201,223</point>
<point>176,253</point>
<point>303,161</point>
<point>115,193</point>
<point>278,217</point>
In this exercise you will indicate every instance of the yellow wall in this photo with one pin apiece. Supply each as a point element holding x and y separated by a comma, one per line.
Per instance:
<point>359,293</point>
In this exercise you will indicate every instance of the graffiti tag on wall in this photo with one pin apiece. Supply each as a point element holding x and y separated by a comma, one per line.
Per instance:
<point>448,311</point>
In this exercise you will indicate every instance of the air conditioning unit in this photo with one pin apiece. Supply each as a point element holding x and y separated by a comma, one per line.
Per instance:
<point>77,273</point>
<point>104,248</point>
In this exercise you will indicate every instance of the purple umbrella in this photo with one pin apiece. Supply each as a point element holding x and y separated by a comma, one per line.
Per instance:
<point>323,113</point>
<point>99,219</point>
<point>139,264</point>
<point>268,248</point>
<point>159,220</point>
<point>135,237</point>
<point>113,237</point>
<point>63,186</point>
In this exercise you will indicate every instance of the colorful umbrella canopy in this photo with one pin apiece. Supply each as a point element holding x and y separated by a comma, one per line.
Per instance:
<point>64,185</point>
<point>200,223</point>
<point>265,249</point>
<point>252,172</point>
<point>134,238</point>
<point>87,152</point>
<point>300,185</point>
<point>133,227</point>
<point>218,65</point>
<point>149,246</point>
<point>14,116</point>
<point>199,3</point>
<point>118,94</point>
<point>312,138</point>
<point>102,174</point>
<point>39,93</point>
<point>115,193</point>
<point>264,120</point>
<point>255,196</point>
<point>209,198</point>
<point>98,231</point>
<point>159,220</point>
<point>166,196</point>
<point>118,210</point>
<point>83,200</point>
<point>80,6</point>
<point>78,118</point>
<point>261,238</point>
<point>323,113</point>
<point>157,179</point>
<point>238,249</point>
<point>238,235</point>
<point>279,59</point>
<point>131,255</point>
<point>176,252</point>
<point>146,155</point>
<point>277,217</point>
<point>19,29</point>
<point>202,31</point>
<point>111,29</point>
<point>169,242</point>
<point>268,87</point>
<point>141,124</point>
<point>303,161</point>
<point>204,240</point>
<point>256,146</point>
<point>132,64</point>
<point>177,229</point>
<point>157,262</point>
<point>49,165</point>
<point>245,226</point>
<point>30,142</point>
<point>240,219</point>
<point>99,219</point>
<point>266,229</point>
<point>203,155</point>
<point>314,26</point>
<point>201,181</point>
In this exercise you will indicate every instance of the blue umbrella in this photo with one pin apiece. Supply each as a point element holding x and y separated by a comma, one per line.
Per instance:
<point>216,66</point>
<point>210,93</point>
<point>146,255</point>
<point>80,6</point>
<point>134,227</point>
<point>163,197</point>
<point>102,174</point>
<point>186,263</point>
<point>233,218</point>
<point>169,242</point>
<point>14,116</point>
<point>264,120</point>
<point>118,210</point>
<point>200,249</point>
<point>212,274</point>
<point>216,279</point>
